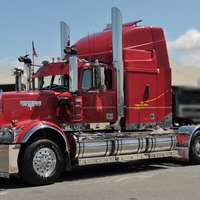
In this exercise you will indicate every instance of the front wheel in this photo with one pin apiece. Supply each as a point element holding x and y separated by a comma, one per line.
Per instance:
<point>41,162</point>
<point>194,151</point>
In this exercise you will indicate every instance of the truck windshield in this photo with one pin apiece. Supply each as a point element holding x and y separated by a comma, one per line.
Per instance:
<point>56,82</point>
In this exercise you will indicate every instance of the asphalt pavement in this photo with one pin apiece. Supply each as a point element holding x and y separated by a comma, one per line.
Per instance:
<point>143,180</point>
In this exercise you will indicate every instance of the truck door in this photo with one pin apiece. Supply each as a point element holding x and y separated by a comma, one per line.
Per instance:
<point>99,95</point>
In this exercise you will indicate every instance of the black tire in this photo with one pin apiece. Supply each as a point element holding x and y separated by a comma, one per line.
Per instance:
<point>41,162</point>
<point>194,151</point>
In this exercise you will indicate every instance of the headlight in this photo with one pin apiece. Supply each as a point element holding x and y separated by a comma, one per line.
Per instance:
<point>6,134</point>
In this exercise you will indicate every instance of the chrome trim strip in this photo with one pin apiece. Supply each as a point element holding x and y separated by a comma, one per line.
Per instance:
<point>125,158</point>
<point>9,156</point>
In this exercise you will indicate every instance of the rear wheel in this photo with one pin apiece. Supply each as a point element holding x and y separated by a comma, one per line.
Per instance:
<point>41,162</point>
<point>195,148</point>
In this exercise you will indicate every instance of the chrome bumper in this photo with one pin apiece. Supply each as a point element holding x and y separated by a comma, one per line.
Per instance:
<point>8,159</point>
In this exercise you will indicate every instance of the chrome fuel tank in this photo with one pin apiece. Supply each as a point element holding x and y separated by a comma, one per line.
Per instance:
<point>96,149</point>
<point>99,145</point>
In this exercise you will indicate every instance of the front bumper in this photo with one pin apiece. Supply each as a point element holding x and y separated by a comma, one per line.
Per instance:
<point>8,159</point>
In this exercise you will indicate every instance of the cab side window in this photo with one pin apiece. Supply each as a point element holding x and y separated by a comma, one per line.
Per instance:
<point>108,79</point>
<point>92,79</point>
<point>87,80</point>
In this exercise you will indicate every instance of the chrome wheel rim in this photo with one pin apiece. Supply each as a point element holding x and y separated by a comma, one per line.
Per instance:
<point>44,162</point>
<point>197,146</point>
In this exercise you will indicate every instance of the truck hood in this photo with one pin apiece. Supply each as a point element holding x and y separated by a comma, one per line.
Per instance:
<point>29,105</point>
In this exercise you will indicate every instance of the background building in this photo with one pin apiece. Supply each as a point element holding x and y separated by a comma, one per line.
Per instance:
<point>184,75</point>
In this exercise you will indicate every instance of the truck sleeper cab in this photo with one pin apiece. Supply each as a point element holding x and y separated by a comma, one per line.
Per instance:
<point>110,109</point>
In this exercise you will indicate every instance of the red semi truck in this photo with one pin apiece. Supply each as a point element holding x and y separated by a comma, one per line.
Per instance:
<point>108,100</point>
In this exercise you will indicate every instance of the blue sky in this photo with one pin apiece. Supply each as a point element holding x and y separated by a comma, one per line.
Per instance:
<point>24,21</point>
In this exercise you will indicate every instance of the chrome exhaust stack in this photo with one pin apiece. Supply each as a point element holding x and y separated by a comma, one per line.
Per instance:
<point>117,58</point>
<point>27,72</point>
<point>18,72</point>
<point>64,37</point>
<point>73,56</point>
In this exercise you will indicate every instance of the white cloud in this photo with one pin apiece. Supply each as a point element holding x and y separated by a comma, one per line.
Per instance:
<point>187,46</point>
<point>189,41</point>
<point>7,65</point>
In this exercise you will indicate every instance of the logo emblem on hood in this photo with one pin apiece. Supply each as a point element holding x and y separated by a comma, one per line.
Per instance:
<point>30,104</point>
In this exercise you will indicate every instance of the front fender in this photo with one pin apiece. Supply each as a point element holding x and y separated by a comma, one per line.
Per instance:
<point>26,131</point>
